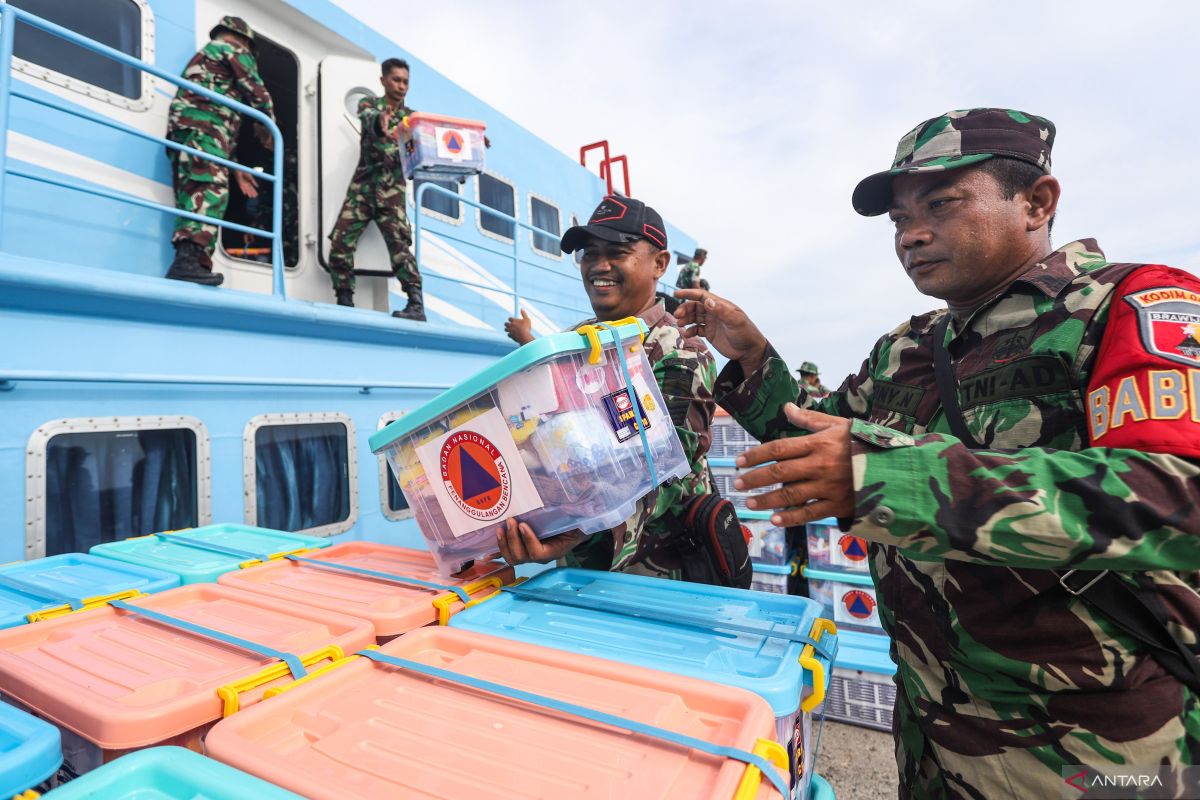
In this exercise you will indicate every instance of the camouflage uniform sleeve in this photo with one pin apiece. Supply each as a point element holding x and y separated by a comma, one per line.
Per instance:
<point>250,87</point>
<point>756,401</point>
<point>1097,508</point>
<point>369,115</point>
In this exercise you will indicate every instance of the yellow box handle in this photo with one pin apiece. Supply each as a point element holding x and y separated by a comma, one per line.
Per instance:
<point>592,332</point>
<point>88,603</point>
<point>254,562</point>
<point>809,660</point>
<point>28,794</point>
<point>442,602</point>
<point>772,751</point>
<point>316,673</point>
<point>229,693</point>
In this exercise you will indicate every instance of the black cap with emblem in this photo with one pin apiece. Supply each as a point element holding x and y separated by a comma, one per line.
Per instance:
<point>618,219</point>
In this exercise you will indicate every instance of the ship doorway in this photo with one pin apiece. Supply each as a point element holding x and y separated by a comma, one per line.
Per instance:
<point>280,71</point>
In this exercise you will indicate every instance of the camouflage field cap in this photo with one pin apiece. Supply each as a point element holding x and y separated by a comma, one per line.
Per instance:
<point>700,251</point>
<point>808,368</point>
<point>958,139</point>
<point>233,25</point>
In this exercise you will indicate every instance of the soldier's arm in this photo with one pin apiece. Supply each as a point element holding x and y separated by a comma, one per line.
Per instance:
<point>1130,501</point>
<point>253,92</point>
<point>371,118</point>
<point>756,401</point>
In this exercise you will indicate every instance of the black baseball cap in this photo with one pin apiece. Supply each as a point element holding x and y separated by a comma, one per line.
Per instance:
<point>618,219</point>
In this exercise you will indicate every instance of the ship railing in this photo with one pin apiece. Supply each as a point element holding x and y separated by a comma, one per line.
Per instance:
<point>9,15</point>
<point>517,260</point>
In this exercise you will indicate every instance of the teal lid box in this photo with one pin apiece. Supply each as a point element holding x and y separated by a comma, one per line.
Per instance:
<point>201,555</point>
<point>567,432</point>
<point>30,750</point>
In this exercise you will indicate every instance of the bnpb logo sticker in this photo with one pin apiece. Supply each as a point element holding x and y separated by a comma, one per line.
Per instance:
<point>475,475</point>
<point>858,604</point>
<point>854,548</point>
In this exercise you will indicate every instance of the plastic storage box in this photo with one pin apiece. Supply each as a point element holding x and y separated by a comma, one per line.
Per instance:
<point>820,789</point>
<point>831,550</point>
<point>56,585</point>
<point>729,439</point>
<point>440,147</point>
<point>684,629</point>
<point>723,482</point>
<point>201,555</point>
<point>848,597</point>
<point>771,577</point>
<point>115,680</point>
<point>862,690</point>
<point>168,773</point>
<point>370,729</point>
<point>397,589</point>
<point>768,543</point>
<point>547,434</point>
<point>30,751</point>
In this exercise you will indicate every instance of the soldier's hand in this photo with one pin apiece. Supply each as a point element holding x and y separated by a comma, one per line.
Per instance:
<point>520,329</point>
<point>724,325</point>
<point>814,470</point>
<point>519,545</point>
<point>264,137</point>
<point>247,184</point>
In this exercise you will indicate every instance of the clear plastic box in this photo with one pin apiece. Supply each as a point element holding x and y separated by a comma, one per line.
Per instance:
<point>441,147</point>
<point>829,548</point>
<point>849,599</point>
<point>546,435</point>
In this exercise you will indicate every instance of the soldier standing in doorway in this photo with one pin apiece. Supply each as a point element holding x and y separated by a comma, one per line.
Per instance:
<point>226,65</point>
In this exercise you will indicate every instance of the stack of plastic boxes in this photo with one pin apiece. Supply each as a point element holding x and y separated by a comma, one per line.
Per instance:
<point>838,574</point>
<point>773,559</point>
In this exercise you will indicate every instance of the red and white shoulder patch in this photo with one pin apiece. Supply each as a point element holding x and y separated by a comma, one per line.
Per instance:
<point>1144,391</point>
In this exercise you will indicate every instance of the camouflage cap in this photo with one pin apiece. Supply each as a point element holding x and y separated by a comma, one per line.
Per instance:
<point>958,139</point>
<point>808,368</point>
<point>700,251</point>
<point>233,25</point>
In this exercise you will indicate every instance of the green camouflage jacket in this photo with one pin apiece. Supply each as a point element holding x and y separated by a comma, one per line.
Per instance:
<point>689,273</point>
<point>379,148</point>
<point>1003,678</point>
<point>685,371</point>
<point>226,68</point>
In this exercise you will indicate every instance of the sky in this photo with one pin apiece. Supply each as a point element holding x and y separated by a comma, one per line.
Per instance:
<point>748,125</point>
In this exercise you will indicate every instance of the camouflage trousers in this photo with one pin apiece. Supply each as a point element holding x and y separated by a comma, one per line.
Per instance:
<point>382,200</point>
<point>201,187</point>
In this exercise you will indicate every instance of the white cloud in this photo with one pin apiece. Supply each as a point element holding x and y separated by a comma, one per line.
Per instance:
<point>748,125</point>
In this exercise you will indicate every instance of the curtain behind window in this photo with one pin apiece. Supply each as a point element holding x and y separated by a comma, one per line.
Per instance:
<point>111,485</point>
<point>303,475</point>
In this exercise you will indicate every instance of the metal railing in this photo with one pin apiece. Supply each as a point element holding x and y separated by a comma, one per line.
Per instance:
<point>9,15</point>
<point>515,293</point>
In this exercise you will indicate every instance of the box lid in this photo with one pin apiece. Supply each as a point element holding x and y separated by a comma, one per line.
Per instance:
<point>168,773</point>
<point>392,607</point>
<point>440,119</point>
<point>30,750</point>
<point>195,564</point>
<point>768,666</point>
<point>45,583</point>
<point>869,652</point>
<point>524,357</point>
<point>375,730</point>
<point>121,680</point>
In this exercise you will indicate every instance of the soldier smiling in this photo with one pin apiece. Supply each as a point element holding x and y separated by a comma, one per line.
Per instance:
<point>1025,464</point>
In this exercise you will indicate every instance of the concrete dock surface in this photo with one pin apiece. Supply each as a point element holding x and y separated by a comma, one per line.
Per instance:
<point>859,763</point>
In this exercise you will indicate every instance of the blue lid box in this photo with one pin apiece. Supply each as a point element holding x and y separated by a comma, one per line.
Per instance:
<point>549,434</point>
<point>753,640</point>
<point>30,750</point>
<point>48,587</point>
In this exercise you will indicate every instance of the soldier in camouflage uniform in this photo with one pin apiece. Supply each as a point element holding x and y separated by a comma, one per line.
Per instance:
<point>1078,453</point>
<point>226,65</point>
<point>689,273</point>
<point>377,192</point>
<point>625,253</point>
<point>810,380</point>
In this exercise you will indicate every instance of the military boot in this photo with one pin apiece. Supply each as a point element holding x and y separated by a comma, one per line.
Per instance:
<point>415,309</point>
<point>189,265</point>
<point>345,296</point>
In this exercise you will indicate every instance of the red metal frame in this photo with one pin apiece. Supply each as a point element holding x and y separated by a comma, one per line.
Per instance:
<point>605,162</point>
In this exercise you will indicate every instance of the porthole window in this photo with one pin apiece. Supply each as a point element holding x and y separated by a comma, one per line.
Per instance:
<point>300,473</point>
<point>124,25</point>
<point>544,215</point>
<point>98,480</point>
<point>439,204</point>
<point>500,195</point>
<point>394,503</point>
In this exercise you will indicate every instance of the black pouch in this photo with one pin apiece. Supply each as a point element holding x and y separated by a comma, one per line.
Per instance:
<point>711,543</point>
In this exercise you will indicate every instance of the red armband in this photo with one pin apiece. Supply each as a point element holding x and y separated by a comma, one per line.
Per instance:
<point>1144,392</point>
